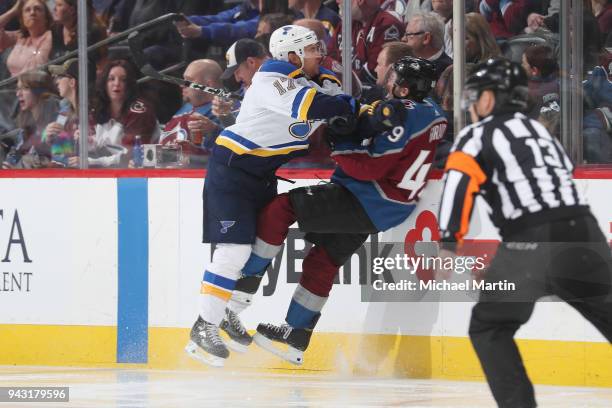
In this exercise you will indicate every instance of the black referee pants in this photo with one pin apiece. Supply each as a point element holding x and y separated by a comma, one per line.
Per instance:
<point>568,258</point>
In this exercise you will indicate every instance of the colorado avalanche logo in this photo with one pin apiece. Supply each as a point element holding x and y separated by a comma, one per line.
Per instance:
<point>138,107</point>
<point>300,130</point>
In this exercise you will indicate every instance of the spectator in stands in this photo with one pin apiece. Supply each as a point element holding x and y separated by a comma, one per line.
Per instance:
<point>230,25</point>
<point>593,50</point>
<point>328,62</point>
<point>372,27</point>
<point>32,42</point>
<point>542,69</point>
<point>444,8</point>
<point>537,19</point>
<point>315,9</point>
<point>602,10</point>
<point>120,115</point>
<point>62,131</point>
<point>597,122</point>
<point>161,45</point>
<point>391,53</point>
<point>244,58</point>
<point>507,17</point>
<point>194,126</point>
<point>425,35</point>
<point>64,29</point>
<point>116,14</point>
<point>480,44</point>
<point>268,23</point>
<point>38,106</point>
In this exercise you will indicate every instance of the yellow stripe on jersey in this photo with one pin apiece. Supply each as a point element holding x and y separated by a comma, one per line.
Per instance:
<point>295,73</point>
<point>261,152</point>
<point>330,77</point>
<point>208,289</point>
<point>306,102</point>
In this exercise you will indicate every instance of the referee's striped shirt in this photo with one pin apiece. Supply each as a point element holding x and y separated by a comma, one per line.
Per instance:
<point>518,167</point>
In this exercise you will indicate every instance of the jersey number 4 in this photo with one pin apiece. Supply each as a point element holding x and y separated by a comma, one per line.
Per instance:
<point>416,176</point>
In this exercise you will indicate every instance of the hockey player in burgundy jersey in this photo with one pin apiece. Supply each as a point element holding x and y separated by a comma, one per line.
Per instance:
<point>375,187</point>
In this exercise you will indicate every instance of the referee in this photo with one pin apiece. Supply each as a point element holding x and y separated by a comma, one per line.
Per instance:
<point>551,245</point>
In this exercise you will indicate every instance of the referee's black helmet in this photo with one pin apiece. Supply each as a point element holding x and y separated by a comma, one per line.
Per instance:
<point>505,78</point>
<point>416,74</point>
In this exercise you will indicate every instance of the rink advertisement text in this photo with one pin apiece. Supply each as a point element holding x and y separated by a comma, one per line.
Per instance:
<point>16,265</point>
<point>417,272</point>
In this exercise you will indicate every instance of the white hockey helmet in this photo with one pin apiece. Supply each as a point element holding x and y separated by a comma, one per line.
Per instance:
<point>291,38</point>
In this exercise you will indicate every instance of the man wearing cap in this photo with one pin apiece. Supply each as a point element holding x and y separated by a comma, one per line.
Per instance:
<point>65,127</point>
<point>243,58</point>
<point>194,126</point>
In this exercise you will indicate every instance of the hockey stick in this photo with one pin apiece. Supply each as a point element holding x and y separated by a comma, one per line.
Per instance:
<point>135,44</point>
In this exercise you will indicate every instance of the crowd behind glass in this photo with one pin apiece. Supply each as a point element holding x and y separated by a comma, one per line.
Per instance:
<point>136,121</point>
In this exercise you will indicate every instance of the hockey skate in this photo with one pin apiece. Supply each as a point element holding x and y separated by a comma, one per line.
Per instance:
<point>284,341</point>
<point>206,345</point>
<point>239,338</point>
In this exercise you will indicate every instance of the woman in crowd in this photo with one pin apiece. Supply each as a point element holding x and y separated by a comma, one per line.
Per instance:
<point>38,106</point>
<point>480,44</point>
<point>65,29</point>
<point>119,115</point>
<point>32,42</point>
<point>64,130</point>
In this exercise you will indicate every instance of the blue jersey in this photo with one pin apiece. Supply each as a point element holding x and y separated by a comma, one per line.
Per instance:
<point>388,174</point>
<point>230,25</point>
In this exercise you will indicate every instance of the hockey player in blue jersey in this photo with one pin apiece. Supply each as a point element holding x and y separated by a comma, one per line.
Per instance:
<point>287,101</point>
<point>375,187</point>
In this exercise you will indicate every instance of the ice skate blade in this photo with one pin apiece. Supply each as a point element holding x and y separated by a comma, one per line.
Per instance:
<point>292,355</point>
<point>235,346</point>
<point>197,353</point>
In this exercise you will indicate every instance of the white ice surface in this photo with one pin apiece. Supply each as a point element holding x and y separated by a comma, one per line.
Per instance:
<point>132,388</point>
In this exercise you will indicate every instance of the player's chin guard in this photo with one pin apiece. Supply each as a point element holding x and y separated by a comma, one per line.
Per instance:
<point>505,78</point>
<point>291,38</point>
<point>416,74</point>
<point>285,341</point>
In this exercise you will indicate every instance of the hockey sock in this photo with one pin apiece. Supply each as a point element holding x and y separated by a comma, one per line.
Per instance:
<point>219,280</point>
<point>261,256</point>
<point>304,308</point>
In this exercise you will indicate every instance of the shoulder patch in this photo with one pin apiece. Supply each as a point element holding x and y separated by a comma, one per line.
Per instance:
<point>138,107</point>
<point>409,104</point>
<point>336,67</point>
<point>392,33</point>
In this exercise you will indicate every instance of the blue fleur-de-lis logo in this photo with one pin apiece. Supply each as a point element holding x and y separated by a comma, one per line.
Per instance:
<point>225,225</point>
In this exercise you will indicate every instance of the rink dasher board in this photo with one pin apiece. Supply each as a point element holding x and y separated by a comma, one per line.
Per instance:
<point>69,228</point>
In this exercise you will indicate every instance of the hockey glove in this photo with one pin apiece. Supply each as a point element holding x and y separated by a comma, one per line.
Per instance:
<point>385,115</point>
<point>341,129</point>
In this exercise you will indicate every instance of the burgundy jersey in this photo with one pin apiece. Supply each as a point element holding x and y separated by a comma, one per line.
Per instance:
<point>368,40</point>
